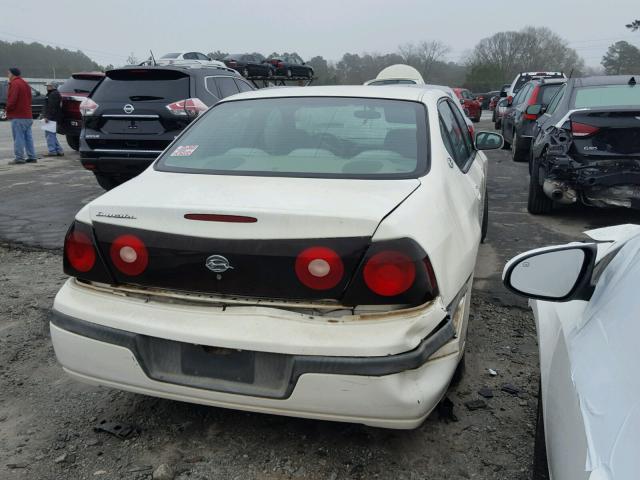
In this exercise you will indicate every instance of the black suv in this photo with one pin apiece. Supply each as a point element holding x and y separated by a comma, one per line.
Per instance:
<point>37,101</point>
<point>134,113</point>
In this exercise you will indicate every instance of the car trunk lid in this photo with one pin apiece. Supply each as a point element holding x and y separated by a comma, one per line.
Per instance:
<point>606,133</point>
<point>256,258</point>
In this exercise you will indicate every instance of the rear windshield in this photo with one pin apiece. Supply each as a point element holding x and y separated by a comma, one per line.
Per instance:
<point>78,85</point>
<point>607,96</point>
<point>392,82</point>
<point>143,85</point>
<point>548,91</point>
<point>323,137</point>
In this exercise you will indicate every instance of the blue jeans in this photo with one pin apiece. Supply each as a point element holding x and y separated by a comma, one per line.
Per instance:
<point>22,138</point>
<point>52,142</point>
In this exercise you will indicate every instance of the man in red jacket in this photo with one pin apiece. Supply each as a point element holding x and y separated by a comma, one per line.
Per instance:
<point>19,112</point>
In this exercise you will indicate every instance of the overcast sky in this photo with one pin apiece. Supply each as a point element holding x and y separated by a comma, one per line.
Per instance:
<point>108,31</point>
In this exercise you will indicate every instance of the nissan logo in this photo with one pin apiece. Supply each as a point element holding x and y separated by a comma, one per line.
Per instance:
<point>218,264</point>
<point>128,108</point>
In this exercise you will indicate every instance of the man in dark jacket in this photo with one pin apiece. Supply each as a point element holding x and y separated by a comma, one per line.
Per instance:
<point>52,115</point>
<point>19,112</point>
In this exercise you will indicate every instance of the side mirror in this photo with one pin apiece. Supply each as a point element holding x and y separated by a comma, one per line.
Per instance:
<point>556,274</point>
<point>488,141</point>
<point>534,110</point>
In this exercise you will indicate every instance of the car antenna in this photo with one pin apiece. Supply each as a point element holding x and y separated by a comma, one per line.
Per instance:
<point>153,59</point>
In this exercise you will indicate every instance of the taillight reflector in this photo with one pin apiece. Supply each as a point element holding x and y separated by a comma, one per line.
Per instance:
<point>129,255</point>
<point>389,273</point>
<point>213,217</point>
<point>319,268</point>
<point>188,107</point>
<point>582,129</point>
<point>88,107</point>
<point>80,251</point>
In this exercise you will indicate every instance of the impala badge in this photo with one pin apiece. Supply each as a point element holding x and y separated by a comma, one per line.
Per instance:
<point>218,264</point>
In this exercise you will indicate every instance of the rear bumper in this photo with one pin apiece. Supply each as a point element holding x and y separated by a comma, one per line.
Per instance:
<point>122,164</point>
<point>303,368</point>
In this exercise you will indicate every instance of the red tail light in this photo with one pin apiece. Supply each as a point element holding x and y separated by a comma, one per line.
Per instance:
<point>88,107</point>
<point>319,268</point>
<point>79,250</point>
<point>191,107</point>
<point>582,129</point>
<point>389,273</point>
<point>532,101</point>
<point>129,255</point>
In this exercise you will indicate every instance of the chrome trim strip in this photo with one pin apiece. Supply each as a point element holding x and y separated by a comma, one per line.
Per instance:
<point>129,116</point>
<point>116,150</point>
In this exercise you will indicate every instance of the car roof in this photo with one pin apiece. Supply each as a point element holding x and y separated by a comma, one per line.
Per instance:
<point>604,80</point>
<point>362,91</point>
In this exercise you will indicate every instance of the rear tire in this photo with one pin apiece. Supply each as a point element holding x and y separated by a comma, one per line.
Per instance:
<point>538,203</point>
<point>540,463</point>
<point>107,182</point>
<point>74,142</point>
<point>519,154</point>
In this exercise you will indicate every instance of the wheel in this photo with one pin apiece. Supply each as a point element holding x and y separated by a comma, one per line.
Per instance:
<point>518,153</point>
<point>245,72</point>
<point>540,464</point>
<point>485,218</point>
<point>3,114</point>
<point>74,142</point>
<point>538,203</point>
<point>107,182</point>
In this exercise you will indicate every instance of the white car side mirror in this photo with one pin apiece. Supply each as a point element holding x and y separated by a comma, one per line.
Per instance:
<point>557,274</point>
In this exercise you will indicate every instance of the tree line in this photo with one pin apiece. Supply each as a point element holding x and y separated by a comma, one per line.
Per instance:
<point>42,61</point>
<point>492,62</point>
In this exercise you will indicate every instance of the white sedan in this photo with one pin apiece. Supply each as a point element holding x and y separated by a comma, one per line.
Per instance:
<point>304,251</point>
<point>586,305</point>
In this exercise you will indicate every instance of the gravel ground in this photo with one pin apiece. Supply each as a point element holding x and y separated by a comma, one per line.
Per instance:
<point>47,420</point>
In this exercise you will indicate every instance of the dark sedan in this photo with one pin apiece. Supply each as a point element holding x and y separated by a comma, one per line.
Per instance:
<point>289,66</point>
<point>249,65</point>
<point>37,101</point>
<point>586,145</point>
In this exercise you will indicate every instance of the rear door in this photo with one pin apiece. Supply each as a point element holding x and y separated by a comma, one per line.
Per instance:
<point>468,171</point>
<point>133,113</point>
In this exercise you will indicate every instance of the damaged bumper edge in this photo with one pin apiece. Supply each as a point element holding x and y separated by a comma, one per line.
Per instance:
<point>235,371</point>
<point>599,183</point>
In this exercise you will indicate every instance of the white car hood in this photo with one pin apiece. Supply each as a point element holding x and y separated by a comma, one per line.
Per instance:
<point>604,354</point>
<point>284,207</point>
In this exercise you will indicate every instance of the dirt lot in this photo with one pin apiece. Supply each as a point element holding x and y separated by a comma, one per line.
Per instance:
<point>47,420</point>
